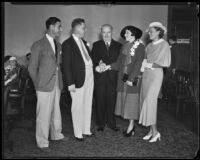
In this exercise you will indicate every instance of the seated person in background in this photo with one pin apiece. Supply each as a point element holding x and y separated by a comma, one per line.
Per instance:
<point>11,71</point>
<point>11,76</point>
<point>174,53</point>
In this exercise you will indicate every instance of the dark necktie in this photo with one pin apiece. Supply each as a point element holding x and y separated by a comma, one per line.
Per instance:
<point>107,46</point>
<point>56,51</point>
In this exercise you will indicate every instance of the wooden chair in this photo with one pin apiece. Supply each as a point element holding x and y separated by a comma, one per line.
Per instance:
<point>178,91</point>
<point>191,103</point>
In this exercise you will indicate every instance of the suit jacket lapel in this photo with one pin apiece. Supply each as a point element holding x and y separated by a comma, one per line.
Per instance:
<point>85,43</point>
<point>111,47</point>
<point>76,46</point>
<point>50,48</point>
<point>104,48</point>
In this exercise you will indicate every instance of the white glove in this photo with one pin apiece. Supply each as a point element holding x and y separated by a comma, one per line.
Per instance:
<point>98,69</point>
<point>143,65</point>
<point>129,83</point>
<point>72,88</point>
<point>148,65</point>
<point>108,67</point>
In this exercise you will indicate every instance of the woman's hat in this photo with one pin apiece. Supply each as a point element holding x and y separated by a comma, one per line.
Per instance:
<point>12,58</point>
<point>157,24</point>
<point>134,30</point>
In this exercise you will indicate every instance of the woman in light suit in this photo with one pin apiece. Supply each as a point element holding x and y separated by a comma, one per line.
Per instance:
<point>157,57</point>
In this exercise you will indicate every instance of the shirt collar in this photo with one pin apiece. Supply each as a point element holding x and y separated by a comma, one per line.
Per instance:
<point>75,37</point>
<point>49,37</point>
<point>158,41</point>
<point>109,42</point>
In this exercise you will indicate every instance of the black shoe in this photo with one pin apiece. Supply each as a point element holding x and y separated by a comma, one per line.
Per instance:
<point>130,133</point>
<point>89,135</point>
<point>100,129</point>
<point>79,139</point>
<point>114,128</point>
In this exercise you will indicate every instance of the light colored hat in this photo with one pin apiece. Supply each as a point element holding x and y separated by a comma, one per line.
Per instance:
<point>12,58</point>
<point>157,24</point>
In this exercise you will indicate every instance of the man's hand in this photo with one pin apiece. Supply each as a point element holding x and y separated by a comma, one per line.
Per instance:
<point>72,88</point>
<point>102,66</point>
<point>129,83</point>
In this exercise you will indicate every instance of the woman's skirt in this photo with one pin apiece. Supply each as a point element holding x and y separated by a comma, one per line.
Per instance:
<point>127,104</point>
<point>151,85</point>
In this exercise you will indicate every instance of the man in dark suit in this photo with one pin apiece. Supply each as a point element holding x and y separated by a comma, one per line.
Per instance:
<point>78,74</point>
<point>44,69</point>
<point>105,51</point>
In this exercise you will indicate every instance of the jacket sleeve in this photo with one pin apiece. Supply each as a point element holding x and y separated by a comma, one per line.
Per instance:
<point>137,65</point>
<point>33,66</point>
<point>67,64</point>
<point>95,56</point>
<point>116,65</point>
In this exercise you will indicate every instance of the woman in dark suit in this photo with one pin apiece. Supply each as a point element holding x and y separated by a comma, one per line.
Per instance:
<point>129,77</point>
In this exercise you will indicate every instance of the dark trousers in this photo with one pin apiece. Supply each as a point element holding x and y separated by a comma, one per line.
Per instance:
<point>105,100</point>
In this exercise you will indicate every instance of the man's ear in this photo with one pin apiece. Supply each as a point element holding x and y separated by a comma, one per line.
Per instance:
<point>51,27</point>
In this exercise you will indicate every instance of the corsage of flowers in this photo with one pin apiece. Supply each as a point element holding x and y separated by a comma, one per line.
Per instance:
<point>135,46</point>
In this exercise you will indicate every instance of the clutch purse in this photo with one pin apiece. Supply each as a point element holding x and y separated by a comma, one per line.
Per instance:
<point>125,77</point>
<point>136,81</point>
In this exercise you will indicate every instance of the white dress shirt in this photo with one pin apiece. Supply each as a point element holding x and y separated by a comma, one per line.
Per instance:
<point>80,48</point>
<point>51,42</point>
<point>108,42</point>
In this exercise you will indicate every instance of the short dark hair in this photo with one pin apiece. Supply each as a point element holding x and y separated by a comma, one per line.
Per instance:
<point>161,34</point>
<point>76,22</point>
<point>134,32</point>
<point>174,38</point>
<point>51,21</point>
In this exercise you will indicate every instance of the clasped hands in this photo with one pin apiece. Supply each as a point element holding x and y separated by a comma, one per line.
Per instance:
<point>102,67</point>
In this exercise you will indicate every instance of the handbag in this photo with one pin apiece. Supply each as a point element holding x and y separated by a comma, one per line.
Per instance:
<point>125,77</point>
<point>136,81</point>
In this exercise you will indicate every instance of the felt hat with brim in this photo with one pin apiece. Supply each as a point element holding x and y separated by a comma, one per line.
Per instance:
<point>157,24</point>
<point>134,30</point>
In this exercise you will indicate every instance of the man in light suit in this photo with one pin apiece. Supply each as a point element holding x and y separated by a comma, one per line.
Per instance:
<point>44,69</point>
<point>78,74</point>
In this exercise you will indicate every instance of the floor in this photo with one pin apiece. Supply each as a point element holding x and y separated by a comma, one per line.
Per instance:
<point>177,140</point>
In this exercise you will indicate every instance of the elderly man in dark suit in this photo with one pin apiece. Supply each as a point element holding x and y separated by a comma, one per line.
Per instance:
<point>105,51</point>
<point>44,69</point>
<point>78,74</point>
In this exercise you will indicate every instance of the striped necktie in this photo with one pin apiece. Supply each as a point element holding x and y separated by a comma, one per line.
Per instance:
<point>56,51</point>
<point>107,45</point>
<point>84,51</point>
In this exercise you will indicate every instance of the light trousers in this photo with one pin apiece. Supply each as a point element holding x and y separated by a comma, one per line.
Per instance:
<point>82,105</point>
<point>48,116</point>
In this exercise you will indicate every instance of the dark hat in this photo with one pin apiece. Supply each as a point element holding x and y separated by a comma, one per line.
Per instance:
<point>134,30</point>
